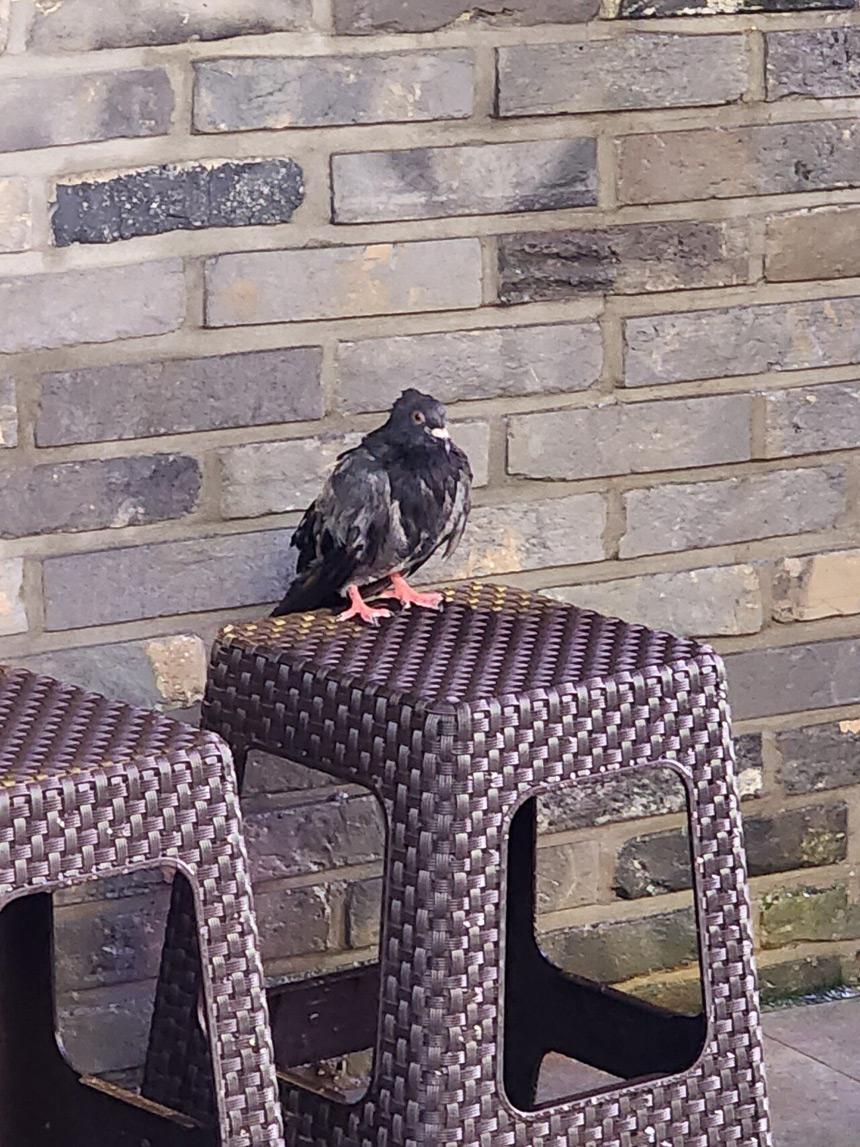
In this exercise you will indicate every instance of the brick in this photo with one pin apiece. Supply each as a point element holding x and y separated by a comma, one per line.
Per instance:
<point>293,921</point>
<point>87,25</point>
<point>260,93</point>
<point>631,259</point>
<point>526,535</point>
<point>823,64</point>
<point>812,419</point>
<point>793,978</point>
<point>818,585</point>
<point>630,438</point>
<point>16,222</point>
<point>8,413</point>
<point>13,615</point>
<point>635,71</point>
<point>819,757</point>
<point>84,108</point>
<point>141,400</point>
<point>364,913</point>
<point>366,17</point>
<point>110,942</point>
<point>274,477</point>
<point>156,673</point>
<point>177,197</point>
<point>791,678</point>
<point>380,278</point>
<point>169,577</point>
<point>675,992</point>
<point>741,340</point>
<point>629,796</point>
<point>792,915</point>
<point>795,838</point>
<point>720,601</point>
<point>267,776</point>
<point>106,1029</point>
<point>91,306</point>
<point>688,515</point>
<point>814,244</point>
<point>618,949</point>
<point>97,495</point>
<point>329,833</point>
<point>567,875</point>
<point>485,179</point>
<point>722,163</point>
<point>499,362</point>
<point>636,9</point>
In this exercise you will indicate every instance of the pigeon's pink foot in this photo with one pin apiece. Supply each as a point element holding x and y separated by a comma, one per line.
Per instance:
<point>358,607</point>
<point>407,596</point>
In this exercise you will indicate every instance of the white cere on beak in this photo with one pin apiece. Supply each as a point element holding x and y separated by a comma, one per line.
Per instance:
<point>440,432</point>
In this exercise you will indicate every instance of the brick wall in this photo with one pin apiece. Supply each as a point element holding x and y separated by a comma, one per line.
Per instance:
<point>620,242</point>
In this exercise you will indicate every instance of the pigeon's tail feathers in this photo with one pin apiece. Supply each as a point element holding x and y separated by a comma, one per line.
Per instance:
<point>308,591</point>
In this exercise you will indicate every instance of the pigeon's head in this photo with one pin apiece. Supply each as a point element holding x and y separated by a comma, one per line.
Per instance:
<point>418,419</point>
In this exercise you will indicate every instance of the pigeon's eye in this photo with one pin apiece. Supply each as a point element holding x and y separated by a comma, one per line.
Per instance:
<point>418,417</point>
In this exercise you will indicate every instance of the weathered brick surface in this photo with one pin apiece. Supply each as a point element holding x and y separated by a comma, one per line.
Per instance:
<point>723,600</point>
<point>16,223</point>
<point>92,306</point>
<point>643,793</point>
<point>103,105</point>
<point>721,163</point>
<point>813,244</point>
<point>106,1029</point>
<point>501,362</point>
<point>84,25</point>
<point>382,278</point>
<point>818,757</point>
<point>792,678</point>
<point>789,916</point>
<point>741,340</point>
<point>273,477</point>
<point>630,438</point>
<point>811,419</point>
<point>177,197</point>
<point>636,71</point>
<point>819,585</point>
<point>110,942</point>
<point>292,921</point>
<point>815,62</point>
<point>485,179</point>
<point>793,978</point>
<point>265,92</point>
<point>13,615</point>
<point>796,838</point>
<point>365,17</point>
<point>99,494</point>
<point>139,400</point>
<point>635,9</point>
<point>688,515</point>
<point>567,875</point>
<point>363,913</point>
<point>8,413</point>
<point>169,577</point>
<point>630,259</point>
<point>616,950</point>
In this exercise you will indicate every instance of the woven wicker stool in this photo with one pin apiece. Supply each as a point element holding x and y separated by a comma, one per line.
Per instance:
<point>90,788</point>
<point>454,720</point>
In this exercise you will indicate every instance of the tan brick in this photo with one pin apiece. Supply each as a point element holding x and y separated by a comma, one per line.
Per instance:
<point>810,419</point>
<point>8,413</point>
<point>16,223</point>
<point>718,601</point>
<point>13,616</point>
<point>630,438</point>
<point>823,243</point>
<point>567,875</point>
<point>179,664</point>
<point>721,163</point>
<point>330,282</point>
<point>820,585</point>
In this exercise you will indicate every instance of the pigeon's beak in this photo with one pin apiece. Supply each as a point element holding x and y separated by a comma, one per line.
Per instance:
<point>440,432</point>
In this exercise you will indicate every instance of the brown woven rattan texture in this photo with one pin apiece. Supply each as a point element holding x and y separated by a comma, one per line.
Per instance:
<point>454,719</point>
<point>91,788</point>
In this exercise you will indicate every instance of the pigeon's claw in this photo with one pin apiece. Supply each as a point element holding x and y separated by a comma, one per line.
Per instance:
<point>358,607</point>
<point>408,596</point>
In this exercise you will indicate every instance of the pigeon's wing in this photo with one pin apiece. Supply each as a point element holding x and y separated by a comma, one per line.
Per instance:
<point>452,492</point>
<point>460,509</point>
<point>341,533</point>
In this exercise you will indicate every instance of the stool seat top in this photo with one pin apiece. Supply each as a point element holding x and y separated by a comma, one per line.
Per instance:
<point>51,730</point>
<point>486,641</point>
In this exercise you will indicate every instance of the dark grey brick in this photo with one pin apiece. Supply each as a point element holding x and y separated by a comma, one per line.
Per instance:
<point>99,494</point>
<point>629,796</point>
<point>186,197</point>
<point>806,420</point>
<point>822,63</point>
<point>792,915</point>
<point>817,757</point>
<point>140,400</point>
<point>293,921</point>
<point>617,950</point>
<point>793,978</point>
<point>484,179</point>
<point>84,108</point>
<point>106,1029</point>
<point>366,17</point>
<point>638,257</point>
<point>794,838</point>
<point>110,942</point>
<point>85,25</point>
<point>636,9</point>
<point>252,94</point>
<point>268,776</point>
<point>168,577</point>
<point>636,71</point>
<point>457,365</point>
<point>791,678</point>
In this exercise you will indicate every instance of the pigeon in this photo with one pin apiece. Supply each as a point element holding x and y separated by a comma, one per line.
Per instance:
<point>389,504</point>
